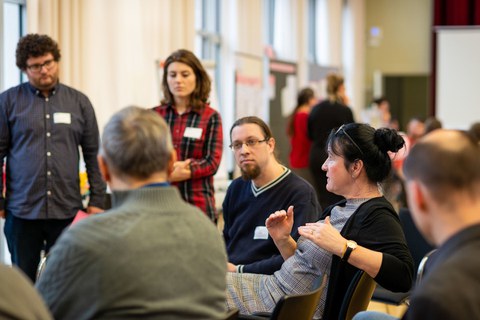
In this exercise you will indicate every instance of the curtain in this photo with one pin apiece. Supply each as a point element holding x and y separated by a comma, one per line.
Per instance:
<point>450,13</point>
<point>109,47</point>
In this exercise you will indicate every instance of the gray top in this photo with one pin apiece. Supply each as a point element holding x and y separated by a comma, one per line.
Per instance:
<point>152,256</point>
<point>18,297</point>
<point>259,293</point>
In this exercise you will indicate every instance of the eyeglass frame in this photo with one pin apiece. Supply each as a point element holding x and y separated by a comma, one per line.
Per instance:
<point>47,64</point>
<point>251,143</point>
<point>341,128</point>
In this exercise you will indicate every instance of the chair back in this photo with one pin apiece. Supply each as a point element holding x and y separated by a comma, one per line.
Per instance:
<point>358,295</point>
<point>299,306</point>
<point>421,266</point>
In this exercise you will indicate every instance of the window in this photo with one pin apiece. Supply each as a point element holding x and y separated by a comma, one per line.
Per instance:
<point>282,28</point>
<point>208,43</point>
<point>12,20</point>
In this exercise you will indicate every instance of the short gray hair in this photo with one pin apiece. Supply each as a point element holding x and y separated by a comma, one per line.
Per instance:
<point>136,142</point>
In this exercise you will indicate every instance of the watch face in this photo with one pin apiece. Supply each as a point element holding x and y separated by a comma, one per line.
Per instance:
<point>351,244</point>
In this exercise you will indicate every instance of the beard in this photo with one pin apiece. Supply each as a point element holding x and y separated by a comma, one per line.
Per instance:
<point>250,172</point>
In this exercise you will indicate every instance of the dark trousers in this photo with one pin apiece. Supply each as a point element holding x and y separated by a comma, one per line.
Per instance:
<point>27,238</point>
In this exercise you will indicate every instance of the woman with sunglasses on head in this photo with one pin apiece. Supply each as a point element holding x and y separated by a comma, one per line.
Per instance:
<point>196,129</point>
<point>361,232</point>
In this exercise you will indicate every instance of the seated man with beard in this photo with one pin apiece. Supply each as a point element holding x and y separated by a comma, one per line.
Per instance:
<point>265,186</point>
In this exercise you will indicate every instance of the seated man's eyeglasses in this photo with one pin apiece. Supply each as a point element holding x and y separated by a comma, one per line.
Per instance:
<point>251,143</point>
<point>38,67</point>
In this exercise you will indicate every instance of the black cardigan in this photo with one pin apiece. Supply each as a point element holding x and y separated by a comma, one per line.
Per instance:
<point>374,225</point>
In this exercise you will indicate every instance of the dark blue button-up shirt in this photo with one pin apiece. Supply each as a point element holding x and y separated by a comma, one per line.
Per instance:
<point>40,138</point>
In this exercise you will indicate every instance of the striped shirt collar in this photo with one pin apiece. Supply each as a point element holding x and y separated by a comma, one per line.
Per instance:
<point>257,191</point>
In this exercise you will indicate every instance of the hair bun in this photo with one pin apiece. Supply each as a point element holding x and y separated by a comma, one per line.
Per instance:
<point>388,140</point>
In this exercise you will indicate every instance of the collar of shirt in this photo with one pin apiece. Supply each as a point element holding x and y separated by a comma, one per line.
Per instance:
<point>156,184</point>
<point>37,92</point>
<point>173,109</point>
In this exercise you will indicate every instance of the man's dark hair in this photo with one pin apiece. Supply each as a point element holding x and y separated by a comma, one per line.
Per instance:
<point>254,120</point>
<point>35,45</point>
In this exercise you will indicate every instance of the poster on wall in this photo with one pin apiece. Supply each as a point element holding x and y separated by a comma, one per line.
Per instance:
<point>283,95</point>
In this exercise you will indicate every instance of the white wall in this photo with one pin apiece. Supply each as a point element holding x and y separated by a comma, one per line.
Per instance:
<point>458,76</point>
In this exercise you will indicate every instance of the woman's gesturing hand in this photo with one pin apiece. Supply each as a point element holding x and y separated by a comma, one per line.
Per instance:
<point>324,235</point>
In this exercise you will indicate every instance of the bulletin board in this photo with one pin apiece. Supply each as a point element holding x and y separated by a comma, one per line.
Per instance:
<point>283,98</point>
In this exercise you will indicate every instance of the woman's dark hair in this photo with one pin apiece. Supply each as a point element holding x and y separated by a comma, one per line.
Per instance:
<point>358,141</point>
<point>304,97</point>
<point>200,94</point>
<point>35,45</point>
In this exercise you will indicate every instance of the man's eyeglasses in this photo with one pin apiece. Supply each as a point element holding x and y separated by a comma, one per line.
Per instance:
<point>341,129</point>
<point>38,67</point>
<point>237,145</point>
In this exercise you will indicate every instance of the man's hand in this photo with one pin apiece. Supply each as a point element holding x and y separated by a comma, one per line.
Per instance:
<point>94,210</point>
<point>231,267</point>
<point>2,214</point>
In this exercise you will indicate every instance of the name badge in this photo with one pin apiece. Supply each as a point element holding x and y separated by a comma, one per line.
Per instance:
<point>62,117</point>
<point>260,233</point>
<point>191,132</point>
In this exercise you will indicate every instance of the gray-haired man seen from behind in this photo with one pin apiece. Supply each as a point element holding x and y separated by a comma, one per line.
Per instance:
<point>152,255</point>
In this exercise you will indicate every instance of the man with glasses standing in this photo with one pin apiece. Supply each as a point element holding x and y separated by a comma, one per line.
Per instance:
<point>42,125</point>
<point>265,187</point>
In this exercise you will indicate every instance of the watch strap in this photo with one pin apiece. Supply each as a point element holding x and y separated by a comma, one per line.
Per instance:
<point>347,253</point>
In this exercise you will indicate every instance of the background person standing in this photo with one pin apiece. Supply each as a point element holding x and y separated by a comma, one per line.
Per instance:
<point>42,125</point>
<point>196,129</point>
<point>297,131</point>
<point>327,115</point>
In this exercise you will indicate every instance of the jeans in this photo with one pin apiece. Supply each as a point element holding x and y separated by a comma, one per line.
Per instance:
<point>27,238</point>
<point>373,315</point>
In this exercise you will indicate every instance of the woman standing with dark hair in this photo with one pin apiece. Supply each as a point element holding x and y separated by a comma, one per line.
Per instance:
<point>362,232</point>
<point>196,129</point>
<point>300,143</point>
<point>330,113</point>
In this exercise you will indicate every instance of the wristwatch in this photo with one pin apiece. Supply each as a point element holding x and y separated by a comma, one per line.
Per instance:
<point>350,246</point>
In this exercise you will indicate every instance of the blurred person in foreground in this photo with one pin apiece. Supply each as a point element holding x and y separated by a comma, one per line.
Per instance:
<point>152,256</point>
<point>442,173</point>
<point>18,297</point>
